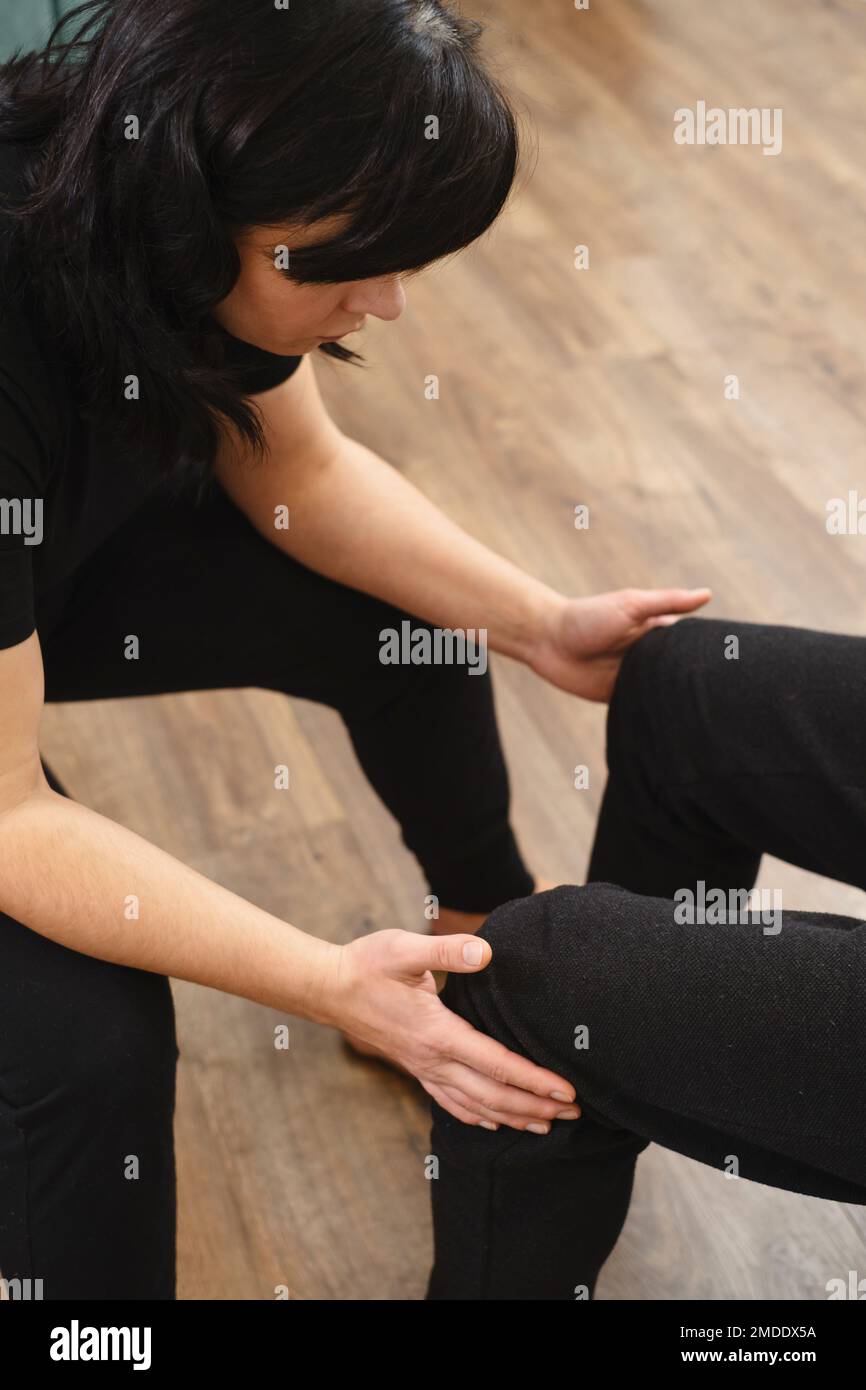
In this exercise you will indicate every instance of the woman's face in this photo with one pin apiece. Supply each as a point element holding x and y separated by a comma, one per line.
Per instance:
<point>272,312</point>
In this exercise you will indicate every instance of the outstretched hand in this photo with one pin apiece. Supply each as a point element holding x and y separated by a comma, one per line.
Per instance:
<point>385,994</point>
<point>582,649</point>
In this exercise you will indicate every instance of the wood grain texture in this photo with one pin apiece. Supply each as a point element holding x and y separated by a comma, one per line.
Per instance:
<point>605,387</point>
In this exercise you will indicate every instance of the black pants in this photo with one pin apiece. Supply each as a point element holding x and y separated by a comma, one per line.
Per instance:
<point>87,1048</point>
<point>736,1044</point>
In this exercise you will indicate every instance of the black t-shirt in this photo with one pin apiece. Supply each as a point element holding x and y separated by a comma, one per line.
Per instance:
<point>63,489</point>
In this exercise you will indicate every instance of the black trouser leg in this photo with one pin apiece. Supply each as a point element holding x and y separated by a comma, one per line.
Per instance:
<point>87,1076</point>
<point>214,605</point>
<point>737,1048</point>
<point>739,1045</point>
<point>715,762</point>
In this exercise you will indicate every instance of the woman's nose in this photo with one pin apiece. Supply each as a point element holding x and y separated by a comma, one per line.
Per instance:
<point>384,299</point>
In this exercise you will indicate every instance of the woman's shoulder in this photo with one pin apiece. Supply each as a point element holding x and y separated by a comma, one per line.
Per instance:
<point>32,391</point>
<point>30,383</point>
<point>29,406</point>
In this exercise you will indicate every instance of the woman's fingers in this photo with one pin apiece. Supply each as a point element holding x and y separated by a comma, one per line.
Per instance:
<point>487,1073</point>
<point>504,1104</point>
<point>645,604</point>
<point>490,1118</point>
<point>496,1067</point>
<point>456,1103</point>
<point>454,1107</point>
<point>477,1075</point>
<point>494,1119</point>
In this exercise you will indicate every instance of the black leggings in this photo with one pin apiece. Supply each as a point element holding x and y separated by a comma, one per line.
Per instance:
<point>738,1045</point>
<point>87,1048</point>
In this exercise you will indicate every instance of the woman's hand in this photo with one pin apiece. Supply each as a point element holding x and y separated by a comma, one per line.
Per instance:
<point>383,991</point>
<point>581,646</point>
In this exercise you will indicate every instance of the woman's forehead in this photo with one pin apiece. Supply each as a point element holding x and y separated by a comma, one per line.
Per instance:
<point>297,234</point>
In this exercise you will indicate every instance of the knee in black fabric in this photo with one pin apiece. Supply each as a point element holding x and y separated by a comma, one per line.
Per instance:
<point>669,657</point>
<point>700,698</point>
<point>675,723</point>
<point>519,1215</point>
<point>556,959</point>
<point>654,713</point>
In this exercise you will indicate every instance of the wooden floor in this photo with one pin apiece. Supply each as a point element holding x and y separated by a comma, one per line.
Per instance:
<point>605,387</point>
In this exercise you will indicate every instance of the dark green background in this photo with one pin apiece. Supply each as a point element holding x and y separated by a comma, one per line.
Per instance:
<point>27,23</point>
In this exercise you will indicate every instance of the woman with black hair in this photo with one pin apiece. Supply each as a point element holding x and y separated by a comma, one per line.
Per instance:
<point>196,197</point>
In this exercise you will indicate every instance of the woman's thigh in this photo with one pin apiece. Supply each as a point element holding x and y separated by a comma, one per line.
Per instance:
<point>87,1073</point>
<point>187,597</point>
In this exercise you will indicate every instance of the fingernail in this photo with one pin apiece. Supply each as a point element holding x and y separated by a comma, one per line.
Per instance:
<point>488,1124</point>
<point>473,952</point>
<point>560,1095</point>
<point>568,1115</point>
<point>538,1129</point>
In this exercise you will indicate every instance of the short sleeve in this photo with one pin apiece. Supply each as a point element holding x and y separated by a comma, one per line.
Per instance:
<point>28,420</point>
<point>17,611</point>
<point>22,495</point>
<point>259,370</point>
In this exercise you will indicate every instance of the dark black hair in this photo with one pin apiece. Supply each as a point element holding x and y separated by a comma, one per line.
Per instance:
<point>249,114</point>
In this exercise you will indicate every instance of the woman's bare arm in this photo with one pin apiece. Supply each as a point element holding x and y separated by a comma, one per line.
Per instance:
<point>354,518</point>
<point>92,886</point>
